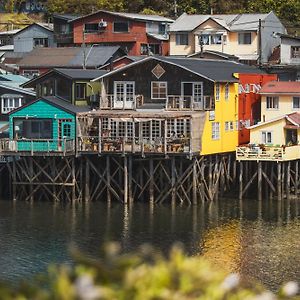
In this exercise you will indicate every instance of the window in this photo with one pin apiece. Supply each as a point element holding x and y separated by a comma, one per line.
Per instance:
<point>227,91</point>
<point>40,42</point>
<point>80,91</point>
<point>162,29</point>
<point>33,128</point>
<point>244,38</point>
<point>9,103</point>
<point>228,126</point>
<point>266,137</point>
<point>178,127</point>
<point>217,91</point>
<point>31,73</point>
<point>182,39</point>
<point>121,27</point>
<point>296,102</point>
<point>211,39</point>
<point>272,102</point>
<point>159,90</point>
<point>295,52</point>
<point>147,49</point>
<point>215,135</point>
<point>67,130</point>
<point>91,27</point>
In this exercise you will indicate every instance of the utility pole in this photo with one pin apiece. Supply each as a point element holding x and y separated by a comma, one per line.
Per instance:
<point>175,8</point>
<point>259,43</point>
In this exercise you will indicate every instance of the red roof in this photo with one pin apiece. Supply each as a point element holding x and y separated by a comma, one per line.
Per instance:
<point>281,87</point>
<point>295,118</point>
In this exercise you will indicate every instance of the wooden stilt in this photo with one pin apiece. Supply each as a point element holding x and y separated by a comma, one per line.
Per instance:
<point>151,179</point>
<point>125,180</point>
<point>241,181</point>
<point>108,174</point>
<point>87,180</point>
<point>279,183</point>
<point>130,180</point>
<point>173,179</point>
<point>194,182</point>
<point>259,180</point>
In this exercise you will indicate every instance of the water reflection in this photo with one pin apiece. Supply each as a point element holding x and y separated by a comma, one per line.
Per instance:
<point>257,239</point>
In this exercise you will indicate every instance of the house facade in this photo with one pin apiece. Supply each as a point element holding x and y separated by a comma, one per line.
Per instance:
<point>33,36</point>
<point>247,36</point>
<point>137,34</point>
<point>279,98</point>
<point>71,85</point>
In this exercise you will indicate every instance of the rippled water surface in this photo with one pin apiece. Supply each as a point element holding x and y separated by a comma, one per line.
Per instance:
<point>257,240</point>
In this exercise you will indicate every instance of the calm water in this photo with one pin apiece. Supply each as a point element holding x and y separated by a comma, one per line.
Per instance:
<point>260,241</point>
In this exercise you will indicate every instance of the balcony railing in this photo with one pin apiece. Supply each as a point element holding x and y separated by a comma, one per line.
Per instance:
<point>172,102</point>
<point>257,153</point>
<point>135,145</point>
<point>35,146</point>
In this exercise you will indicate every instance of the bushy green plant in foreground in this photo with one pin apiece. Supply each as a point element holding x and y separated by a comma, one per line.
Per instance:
<point>142,276</point>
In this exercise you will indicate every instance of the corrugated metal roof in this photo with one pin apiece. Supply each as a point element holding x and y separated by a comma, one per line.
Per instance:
<point>138,17</point>
<point>9,32</point>
<point>80,73</point>
<point>295,118</point>
<point>13,78</point>
<point>233,22</point>
<point>281,87</point>
<point>15,86</point>
<point>68,57</point>
<point>66,105</point>
<point>67,17</point>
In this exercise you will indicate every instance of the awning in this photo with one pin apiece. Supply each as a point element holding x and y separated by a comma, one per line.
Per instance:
<point>291,127</point>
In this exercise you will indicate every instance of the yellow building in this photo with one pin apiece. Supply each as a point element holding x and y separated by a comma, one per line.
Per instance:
<point>232,34</point>
<point>279,98</point>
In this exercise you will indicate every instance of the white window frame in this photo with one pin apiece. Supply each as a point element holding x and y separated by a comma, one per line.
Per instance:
<point>243,42</point>
<point>16,103</point>
<point>265,134</point>
<point>218,91</point>
<point>293,103</point>
<point>215,130</point>
<point>272,103</point>
<point>229,126</point>
<point>159,83</point>
<point>227,91</point>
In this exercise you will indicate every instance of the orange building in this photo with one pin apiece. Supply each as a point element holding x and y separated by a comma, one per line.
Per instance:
<point>138,34</point>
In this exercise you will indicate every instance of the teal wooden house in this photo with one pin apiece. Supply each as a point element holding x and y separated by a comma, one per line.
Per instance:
<point>45,125</point>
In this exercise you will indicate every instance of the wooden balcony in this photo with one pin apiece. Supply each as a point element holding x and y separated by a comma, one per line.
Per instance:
<point>256,153</point>
<point>172,102</point>
<point>37,147</point>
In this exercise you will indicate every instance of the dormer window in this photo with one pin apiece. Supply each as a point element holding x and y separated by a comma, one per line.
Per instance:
<point>121,26</point>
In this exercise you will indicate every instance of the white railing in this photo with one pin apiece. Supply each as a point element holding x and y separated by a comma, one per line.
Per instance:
<point>111,101</point>
<point>268,153</point>
<point>64,146</point>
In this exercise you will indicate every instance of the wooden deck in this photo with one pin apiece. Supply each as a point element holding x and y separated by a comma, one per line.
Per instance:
<point>256,153</point>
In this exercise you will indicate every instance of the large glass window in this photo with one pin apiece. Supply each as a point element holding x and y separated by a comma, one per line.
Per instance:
<point>121,27</point>
<point>182,39</point>
<point>33,128</point>
<point>159,90</point>
<point>244,38</point>
<point>40,42</point>
<point>211,39</point>
<point>272,102</point>
<point>91,27</point>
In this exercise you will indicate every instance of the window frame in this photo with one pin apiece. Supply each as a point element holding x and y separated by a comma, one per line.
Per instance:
<point>120,31</point>
<point>45,42</point>
<point>180,41</point>
<point>159,87</point>
<point>242,38</point>
<point>227,91</point>
<point>76,97</point>
<point>5,109</point>
<point>272,102</point>
<point>217,91</point>
<point>91,25</point>
<point>264,136</point>
<point>215,131</point>
<point>293,103</point>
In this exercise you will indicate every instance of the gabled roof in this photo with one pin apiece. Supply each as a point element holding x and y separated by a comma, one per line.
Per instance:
<point>73,74</point>
<point>232,22</point>
<point>55,101</point>
<point>15,87</point>
<point>281,87</point>
<point>213,70</point>
<point>10,32</point>
<point>46,26</point>
<point>293,118</point>
<point>136,17</point>
<point>70,57</point>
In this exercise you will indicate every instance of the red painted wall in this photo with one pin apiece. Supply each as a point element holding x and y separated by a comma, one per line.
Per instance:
<point>250,101</point>
<point>133,39</point>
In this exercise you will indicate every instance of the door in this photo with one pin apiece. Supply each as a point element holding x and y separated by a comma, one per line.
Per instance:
<point>291,137</point>
<point>65,133</point>
<point>192,93</point>
<point>124,94</point>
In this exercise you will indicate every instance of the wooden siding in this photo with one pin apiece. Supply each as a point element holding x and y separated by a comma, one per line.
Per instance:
<point>42,109</point>
<point>142,75</point>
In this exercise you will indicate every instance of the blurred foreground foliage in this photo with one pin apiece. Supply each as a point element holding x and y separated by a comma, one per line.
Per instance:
<point>143,275</point>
